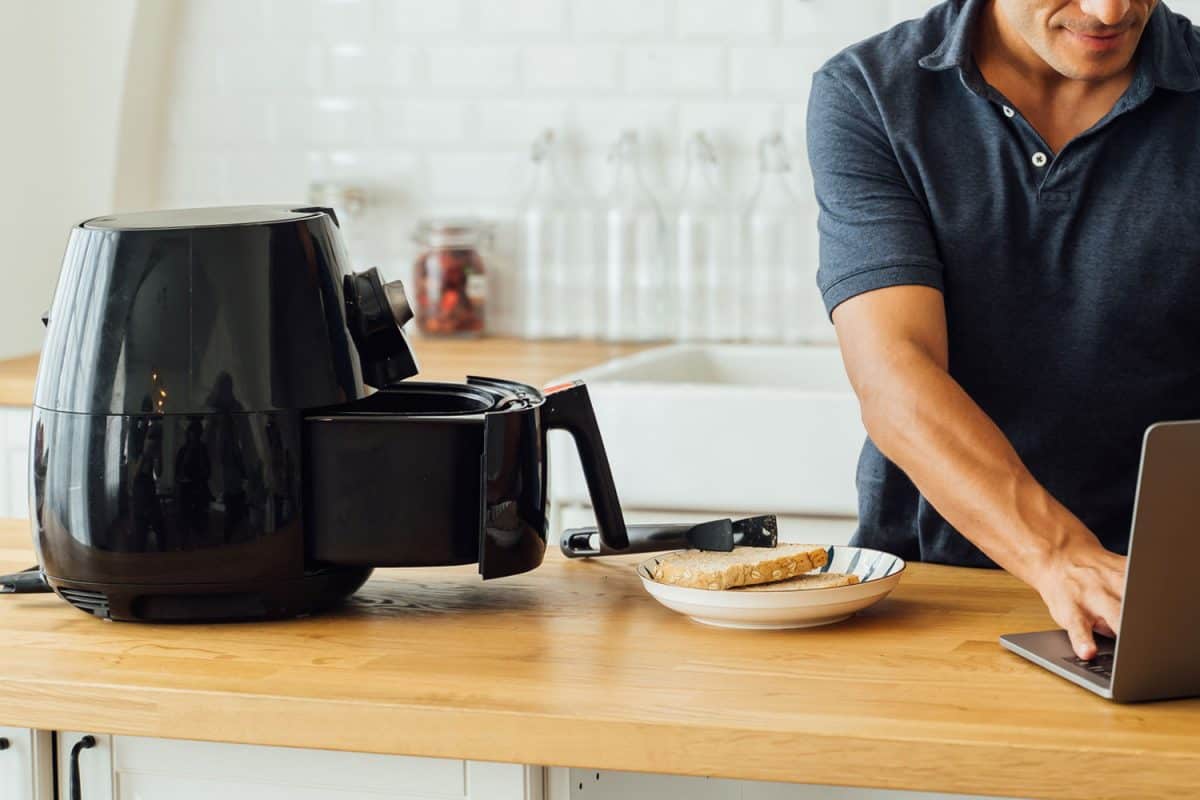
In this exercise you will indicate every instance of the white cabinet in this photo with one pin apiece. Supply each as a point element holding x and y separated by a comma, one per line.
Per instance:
<point>26,765</point>
<point>583,784</point>
<point>135,768</point>
<point>14,466</point>
<point>95,766</point>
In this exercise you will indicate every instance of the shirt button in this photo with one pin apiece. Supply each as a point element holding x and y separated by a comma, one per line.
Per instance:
<point>1008,112</point>
<point>1039,159</point>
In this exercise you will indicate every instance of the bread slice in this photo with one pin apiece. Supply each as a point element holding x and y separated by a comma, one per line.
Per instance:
<point>818,580</point>
<point>743,566</point>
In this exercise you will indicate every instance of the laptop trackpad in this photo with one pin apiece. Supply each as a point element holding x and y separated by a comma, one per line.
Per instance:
<point>1052,649</point>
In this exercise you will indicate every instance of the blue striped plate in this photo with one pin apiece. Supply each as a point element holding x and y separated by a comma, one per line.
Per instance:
<point>878,573</point>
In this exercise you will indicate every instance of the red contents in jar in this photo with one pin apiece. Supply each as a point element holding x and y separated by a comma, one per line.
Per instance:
<point>450,281</point>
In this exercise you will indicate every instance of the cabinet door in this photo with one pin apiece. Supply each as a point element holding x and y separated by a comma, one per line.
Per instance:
<point>95,766</point>
<point>586,784</point>
<point>166,769</point>
<point>26,765</point>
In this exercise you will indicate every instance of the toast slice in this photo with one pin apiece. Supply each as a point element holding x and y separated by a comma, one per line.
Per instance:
<point>820,580</point>
<point>743,566</point>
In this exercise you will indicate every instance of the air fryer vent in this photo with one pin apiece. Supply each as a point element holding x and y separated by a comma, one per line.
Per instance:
<point>91,602</point>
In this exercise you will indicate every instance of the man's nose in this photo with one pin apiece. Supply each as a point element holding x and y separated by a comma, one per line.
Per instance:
<point>1109,12</point>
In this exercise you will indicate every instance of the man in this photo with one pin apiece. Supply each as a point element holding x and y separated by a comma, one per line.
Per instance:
<point>1009,201</point>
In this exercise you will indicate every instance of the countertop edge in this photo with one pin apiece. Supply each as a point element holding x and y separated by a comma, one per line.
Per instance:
<point>999,768</point>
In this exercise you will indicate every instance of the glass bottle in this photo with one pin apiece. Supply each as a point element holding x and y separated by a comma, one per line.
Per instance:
<point>586,281</point>
<point>704,285</point>
<point>773,251</point>
<point>633,302</point>
<point>544,261</point>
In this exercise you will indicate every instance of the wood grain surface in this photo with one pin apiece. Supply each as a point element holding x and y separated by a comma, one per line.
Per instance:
<point>573,664</point>
<point>533,362</point>
<point>16,380</point>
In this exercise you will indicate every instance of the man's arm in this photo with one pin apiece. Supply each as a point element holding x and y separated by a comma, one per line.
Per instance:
<point>894,345</point>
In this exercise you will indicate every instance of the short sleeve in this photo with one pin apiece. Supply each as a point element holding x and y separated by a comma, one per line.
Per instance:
<point>873,230</point>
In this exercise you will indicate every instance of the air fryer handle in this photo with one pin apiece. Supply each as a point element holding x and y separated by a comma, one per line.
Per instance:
<point>568,407</point>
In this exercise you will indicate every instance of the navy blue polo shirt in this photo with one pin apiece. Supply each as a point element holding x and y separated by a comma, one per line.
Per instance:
<point>1071,280</point>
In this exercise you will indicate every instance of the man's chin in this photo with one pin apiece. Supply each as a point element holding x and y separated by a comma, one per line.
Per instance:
<point>1092,68</point>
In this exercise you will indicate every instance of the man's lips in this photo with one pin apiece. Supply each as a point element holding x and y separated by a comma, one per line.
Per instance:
<point>1100,41</point>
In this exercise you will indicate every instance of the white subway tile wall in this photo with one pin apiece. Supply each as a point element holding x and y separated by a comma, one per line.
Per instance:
<point>429,105</point>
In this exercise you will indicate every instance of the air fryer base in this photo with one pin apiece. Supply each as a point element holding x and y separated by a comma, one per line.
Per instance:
<point>213,602</point>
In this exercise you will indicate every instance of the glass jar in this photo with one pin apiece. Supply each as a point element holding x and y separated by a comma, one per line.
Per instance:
<point>450,276</point>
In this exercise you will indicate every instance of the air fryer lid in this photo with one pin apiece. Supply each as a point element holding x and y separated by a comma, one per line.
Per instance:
<point>216,309</point>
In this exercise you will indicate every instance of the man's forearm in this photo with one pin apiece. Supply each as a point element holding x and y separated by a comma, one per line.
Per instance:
<point>921,419</point>
<point>896,350</point>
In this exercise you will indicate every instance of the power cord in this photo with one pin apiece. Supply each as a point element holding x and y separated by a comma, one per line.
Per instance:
<point>28,581</point>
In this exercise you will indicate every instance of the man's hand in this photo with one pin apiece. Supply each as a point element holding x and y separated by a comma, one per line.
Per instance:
<point>1082,585</point>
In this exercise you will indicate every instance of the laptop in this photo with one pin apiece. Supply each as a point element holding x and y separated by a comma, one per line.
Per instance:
<point>1158,653</point>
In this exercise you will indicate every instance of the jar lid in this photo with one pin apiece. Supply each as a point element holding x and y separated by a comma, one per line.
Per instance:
<point>451,231</point>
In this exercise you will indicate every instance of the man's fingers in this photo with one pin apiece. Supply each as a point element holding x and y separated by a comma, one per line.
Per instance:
<point>1082,641</point>
<point>1087,598</point>
<point>1108,609</point>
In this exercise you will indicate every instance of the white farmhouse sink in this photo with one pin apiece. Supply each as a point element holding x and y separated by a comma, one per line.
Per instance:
<point>772,429</point>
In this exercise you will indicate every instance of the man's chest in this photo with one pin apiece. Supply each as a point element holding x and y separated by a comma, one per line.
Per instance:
<point>1111,223</point>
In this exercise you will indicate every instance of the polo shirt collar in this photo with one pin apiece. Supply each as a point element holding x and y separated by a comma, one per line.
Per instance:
<point>955,49</point>
<point>1164,54</point>
<point>1167,54</point>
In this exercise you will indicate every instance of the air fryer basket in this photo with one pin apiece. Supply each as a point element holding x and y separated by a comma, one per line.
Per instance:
<point>394,479</point>
<point>432,474</point>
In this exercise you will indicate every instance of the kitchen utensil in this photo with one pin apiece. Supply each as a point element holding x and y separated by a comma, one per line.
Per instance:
<point>720,534</point>
<point>204,445</point>
<point>879,572</point>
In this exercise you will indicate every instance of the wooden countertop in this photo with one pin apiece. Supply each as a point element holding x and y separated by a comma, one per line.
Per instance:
<point>573,664</point>
<point>533,362</point>
<point>16,380</point>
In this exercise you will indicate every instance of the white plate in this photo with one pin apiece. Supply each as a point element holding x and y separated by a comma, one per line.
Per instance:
<point>879,572</point>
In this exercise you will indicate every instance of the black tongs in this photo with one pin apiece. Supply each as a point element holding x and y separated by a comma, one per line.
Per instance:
<point>719,534</point>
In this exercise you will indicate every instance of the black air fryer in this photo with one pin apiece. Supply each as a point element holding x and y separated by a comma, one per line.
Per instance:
<point>204,447</point>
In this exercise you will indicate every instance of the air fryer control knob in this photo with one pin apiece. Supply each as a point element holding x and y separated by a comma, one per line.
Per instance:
<point>398,300</point>
<point>375,314</point>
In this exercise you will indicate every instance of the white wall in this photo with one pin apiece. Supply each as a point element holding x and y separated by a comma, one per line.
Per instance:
<point>428,104</point>
<point>149,79</point>
<point>64,67</point>
<point>431,104</point>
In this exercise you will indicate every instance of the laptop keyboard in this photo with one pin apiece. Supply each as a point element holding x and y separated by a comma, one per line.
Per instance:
<point>1100,665</point>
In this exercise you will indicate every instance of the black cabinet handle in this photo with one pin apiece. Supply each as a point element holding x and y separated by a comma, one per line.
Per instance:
<point>86,743</point>
<point>4,743</point>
